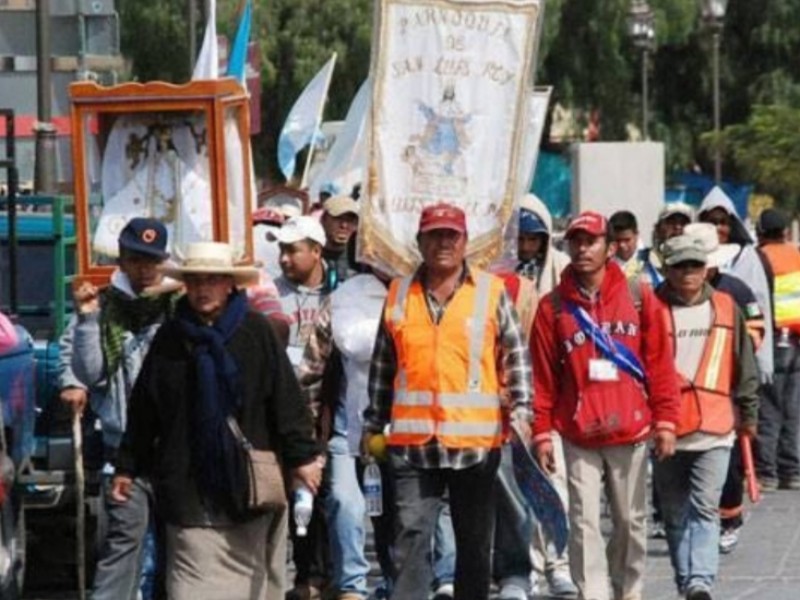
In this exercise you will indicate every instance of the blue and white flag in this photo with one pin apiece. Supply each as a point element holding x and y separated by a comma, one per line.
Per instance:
<point>302,124</point>
<point>237,61</point>
<point>346,162</point>
<point>207,65</point>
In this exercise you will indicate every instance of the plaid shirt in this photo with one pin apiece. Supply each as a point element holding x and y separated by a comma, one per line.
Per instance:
<point>514,362</point>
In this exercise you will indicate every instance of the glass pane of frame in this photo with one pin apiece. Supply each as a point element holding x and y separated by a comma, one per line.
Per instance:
<point>147,164</point>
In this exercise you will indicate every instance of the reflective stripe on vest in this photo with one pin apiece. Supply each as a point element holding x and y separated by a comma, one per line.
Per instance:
<point>784,260</point>
<point>469,415</point>
<point>706,404</point>
<point>787,301</point>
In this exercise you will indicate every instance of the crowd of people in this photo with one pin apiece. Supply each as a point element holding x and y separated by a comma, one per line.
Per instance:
<point>610,359</point>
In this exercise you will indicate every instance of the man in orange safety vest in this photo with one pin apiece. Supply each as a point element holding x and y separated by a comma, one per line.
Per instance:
<point>448,345</point>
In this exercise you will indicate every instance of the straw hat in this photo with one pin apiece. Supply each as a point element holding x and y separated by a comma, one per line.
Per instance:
<point>213,258</point>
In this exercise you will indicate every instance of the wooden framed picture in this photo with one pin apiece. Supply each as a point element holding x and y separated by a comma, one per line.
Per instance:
<point>179,154</point>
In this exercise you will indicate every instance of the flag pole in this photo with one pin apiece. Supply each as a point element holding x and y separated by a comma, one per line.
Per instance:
<point>317,124</point>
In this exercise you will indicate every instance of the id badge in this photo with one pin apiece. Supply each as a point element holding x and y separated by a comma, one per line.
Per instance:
<point>601,369</point>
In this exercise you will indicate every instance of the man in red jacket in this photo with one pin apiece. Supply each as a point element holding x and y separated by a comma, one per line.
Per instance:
<point>605,380</point>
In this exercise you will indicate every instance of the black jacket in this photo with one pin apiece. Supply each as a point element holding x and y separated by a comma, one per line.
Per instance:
<point>156,441</point>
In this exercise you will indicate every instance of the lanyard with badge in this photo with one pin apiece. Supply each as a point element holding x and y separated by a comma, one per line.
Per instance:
<point>616,355</point>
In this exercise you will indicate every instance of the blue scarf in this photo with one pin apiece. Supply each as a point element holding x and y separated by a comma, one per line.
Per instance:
<point>219,466</point>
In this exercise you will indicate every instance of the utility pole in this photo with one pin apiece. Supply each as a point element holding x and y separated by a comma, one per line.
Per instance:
<point>45,168</point>
<point>717,128</point>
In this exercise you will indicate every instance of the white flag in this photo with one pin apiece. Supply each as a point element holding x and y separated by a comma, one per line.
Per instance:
<point>538,102</point>
<point>207,65</point>
<point>346,162</point>
<point>303,121</point>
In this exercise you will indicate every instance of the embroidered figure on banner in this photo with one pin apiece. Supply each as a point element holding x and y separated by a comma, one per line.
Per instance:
<point>436,154</point>
<point>155,168</point>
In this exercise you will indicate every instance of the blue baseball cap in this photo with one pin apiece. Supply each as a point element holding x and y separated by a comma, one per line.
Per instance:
<point>530,222</point>
<point>144,236</point>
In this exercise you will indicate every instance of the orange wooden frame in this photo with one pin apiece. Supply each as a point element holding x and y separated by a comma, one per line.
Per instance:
<point>211,97</point>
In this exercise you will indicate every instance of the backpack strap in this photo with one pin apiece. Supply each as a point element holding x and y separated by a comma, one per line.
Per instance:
<point>635,288</point>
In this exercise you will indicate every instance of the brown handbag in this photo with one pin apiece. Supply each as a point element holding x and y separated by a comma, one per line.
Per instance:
<point>266,486</point>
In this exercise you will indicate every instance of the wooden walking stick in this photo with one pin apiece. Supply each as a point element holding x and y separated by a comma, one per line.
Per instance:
<point>80,522</point>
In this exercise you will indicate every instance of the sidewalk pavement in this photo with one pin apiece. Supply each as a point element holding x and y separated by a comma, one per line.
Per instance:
<point>765,564</point>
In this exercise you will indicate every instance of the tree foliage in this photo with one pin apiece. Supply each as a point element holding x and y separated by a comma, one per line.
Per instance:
<point>767,149</point>
<point>154,36</point>
<point>296,39</point>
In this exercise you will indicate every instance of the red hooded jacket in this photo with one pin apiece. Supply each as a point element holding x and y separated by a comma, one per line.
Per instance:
<point>602,413</point>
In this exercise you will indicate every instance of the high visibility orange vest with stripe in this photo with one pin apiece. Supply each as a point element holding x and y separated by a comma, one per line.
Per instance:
<point>784,259</point>
<point>706,403</point>
<point>447,384</point>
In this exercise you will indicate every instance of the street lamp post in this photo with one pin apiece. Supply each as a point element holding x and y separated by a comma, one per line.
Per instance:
<point>641,28</point>
<point>713,12</point>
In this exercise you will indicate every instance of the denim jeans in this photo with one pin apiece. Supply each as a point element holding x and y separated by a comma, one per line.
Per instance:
<point>514,528</point>
<point>444,548</point>
<point>345,510</point>
<point>119,568</point>
<point>690,486</point>
<point>419,494</point>
<point>779,418</point>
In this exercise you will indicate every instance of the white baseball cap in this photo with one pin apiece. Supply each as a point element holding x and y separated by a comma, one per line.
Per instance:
<point>719,255</point>
<point>676,208</point>
<point>301,228</point>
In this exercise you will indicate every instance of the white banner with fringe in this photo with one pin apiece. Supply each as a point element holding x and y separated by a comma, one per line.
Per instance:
<point>450,113</point>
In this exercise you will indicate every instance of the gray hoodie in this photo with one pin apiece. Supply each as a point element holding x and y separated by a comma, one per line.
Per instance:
<point>301,305</point>
<point>108,395</point>
<point>748,267</point>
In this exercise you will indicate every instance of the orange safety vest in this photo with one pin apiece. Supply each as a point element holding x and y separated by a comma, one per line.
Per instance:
<point>784,259</point>
<point>706,403</point>
<point>447,384</point>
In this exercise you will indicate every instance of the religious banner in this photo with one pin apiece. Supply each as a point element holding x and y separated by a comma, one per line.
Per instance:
<point>450,112</point>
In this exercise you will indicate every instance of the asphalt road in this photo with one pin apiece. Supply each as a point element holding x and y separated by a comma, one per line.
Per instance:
<point>765,565</point>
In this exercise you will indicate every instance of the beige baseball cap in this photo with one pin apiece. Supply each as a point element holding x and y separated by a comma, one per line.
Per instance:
<point>337,206</point>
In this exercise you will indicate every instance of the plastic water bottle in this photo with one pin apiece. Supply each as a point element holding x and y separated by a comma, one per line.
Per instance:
<point>373,490</point>
<point>303,507</point>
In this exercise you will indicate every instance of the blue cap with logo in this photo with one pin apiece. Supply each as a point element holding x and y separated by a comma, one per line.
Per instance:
<point>144,236</point>
<point>530,222</point>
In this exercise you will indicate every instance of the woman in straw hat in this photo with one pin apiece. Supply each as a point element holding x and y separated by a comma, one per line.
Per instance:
<point>215,359</point>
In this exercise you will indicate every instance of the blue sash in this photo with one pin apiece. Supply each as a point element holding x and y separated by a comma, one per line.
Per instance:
<point>648,268</point>
<point>653,274</point>
<point>615,351</point>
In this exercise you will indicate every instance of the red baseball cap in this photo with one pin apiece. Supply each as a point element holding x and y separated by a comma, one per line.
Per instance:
<point>589,221</point>
<point>442,216</point>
